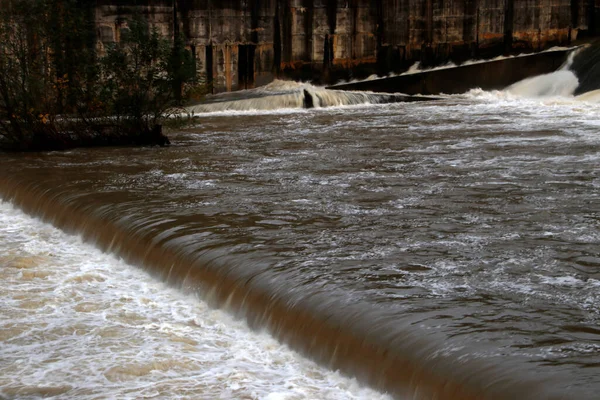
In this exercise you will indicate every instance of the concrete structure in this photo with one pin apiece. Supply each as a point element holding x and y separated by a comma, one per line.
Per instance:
<point>492,75</point>
<point>245,43</point>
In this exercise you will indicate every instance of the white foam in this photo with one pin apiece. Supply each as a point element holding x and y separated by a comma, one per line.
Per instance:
<point>77,323</point>
<point>416,67</point>
<point>592,96</point>
<point>561,83</point>
<point>562,281</point>
<point>282,95</point>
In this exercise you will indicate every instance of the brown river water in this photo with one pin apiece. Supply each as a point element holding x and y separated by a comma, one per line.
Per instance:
<point>442,249</point>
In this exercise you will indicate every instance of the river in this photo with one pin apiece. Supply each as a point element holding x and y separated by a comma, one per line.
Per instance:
<point>443,248</point>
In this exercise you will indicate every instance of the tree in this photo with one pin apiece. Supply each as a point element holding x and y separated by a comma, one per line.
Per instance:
<point>26,86</point>
<point>143,74</point>
<point>50,99</point>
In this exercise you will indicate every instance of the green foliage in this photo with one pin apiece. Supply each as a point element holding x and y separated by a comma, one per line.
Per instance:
<point>137,83</point>
<point>56,93</point>
<point>181,68</point>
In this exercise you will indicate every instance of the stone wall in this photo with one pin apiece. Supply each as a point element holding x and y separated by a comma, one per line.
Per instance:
<point>245,43</point>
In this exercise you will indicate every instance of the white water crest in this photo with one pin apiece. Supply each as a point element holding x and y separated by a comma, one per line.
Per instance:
<point>80,324</point>
<point>283,95</point>
<point>416,68</point>
<point>592,96</point>
<point>561,83</point>
<point>287,95</point>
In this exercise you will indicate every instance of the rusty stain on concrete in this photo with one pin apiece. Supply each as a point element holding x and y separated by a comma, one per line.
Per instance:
<point>251,42</point>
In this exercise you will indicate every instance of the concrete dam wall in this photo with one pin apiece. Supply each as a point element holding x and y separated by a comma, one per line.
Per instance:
<point>241,44</point>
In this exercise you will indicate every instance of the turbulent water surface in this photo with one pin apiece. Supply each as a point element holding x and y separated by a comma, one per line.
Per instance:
<point>81,324</point>
<point>459,237</point>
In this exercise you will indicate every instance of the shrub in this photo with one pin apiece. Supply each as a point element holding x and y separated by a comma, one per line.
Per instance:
<point>55,92</point>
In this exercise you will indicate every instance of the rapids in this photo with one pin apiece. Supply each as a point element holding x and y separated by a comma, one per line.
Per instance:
<point>81,324</point>
<point>441,249</point>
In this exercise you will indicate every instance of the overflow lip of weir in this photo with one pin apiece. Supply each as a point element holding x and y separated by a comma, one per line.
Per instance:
<point>486,75</point>
<point>326,326</point>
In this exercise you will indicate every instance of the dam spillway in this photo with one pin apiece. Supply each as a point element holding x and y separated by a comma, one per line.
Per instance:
<point>94,327</point>
<point>244,44</point>
<point>486,75</point>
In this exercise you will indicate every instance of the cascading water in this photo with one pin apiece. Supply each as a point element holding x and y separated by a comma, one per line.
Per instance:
<point>586,65</point>
<point>290,95</point>
<point>293,95</point>
<point>439,249</point>
<point>576,79</point>
<point>77,323</point>
<point>562,83</point>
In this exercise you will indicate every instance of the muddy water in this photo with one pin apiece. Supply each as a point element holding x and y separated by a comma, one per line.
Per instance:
<point>77,323</point>
<point>441,248</point>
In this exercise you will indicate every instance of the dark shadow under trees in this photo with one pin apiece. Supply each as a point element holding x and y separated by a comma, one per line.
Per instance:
<point>57,93</point>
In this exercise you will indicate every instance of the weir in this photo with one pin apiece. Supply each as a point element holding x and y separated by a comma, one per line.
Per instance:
<point>289,94</point>
<point>414,86</point>
<point>586,66</point>
<point>326,326</point>
<point>486,75</point>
